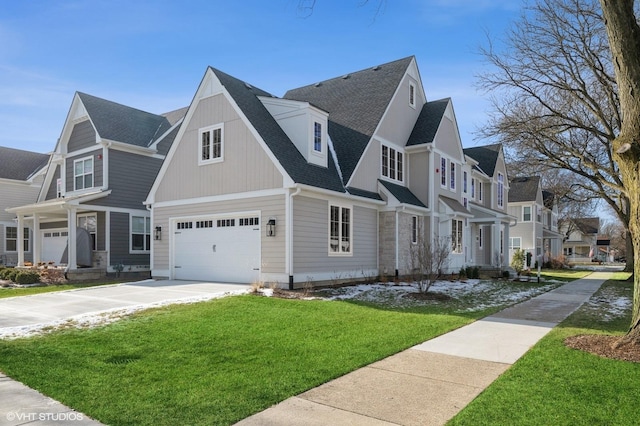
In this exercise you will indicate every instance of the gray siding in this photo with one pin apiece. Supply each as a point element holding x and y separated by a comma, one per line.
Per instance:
<point>54,225</point>
<point>311,239</point>
<point>82,136</point>
<point>130,179</point>
<point>15,195</point>
<point>97,169</point>
<point>53,186</point>
<point>120,242</point>
<point>419,175</point>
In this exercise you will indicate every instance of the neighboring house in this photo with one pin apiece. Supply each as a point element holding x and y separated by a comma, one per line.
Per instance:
<point>21,176</point>
<point>536,231</point>
<point>580,238</point>
<point>487,190</point>
<point>100,173</point>
<point>337,180</point>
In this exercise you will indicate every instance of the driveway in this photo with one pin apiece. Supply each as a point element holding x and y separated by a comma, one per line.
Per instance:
<point>25,315</point>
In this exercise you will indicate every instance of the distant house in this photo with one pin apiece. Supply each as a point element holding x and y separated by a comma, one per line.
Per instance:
<point>580,238</point>
<point>21,176</point>
<point>536,231</point>
<point>340,179</point>
<point>99,175</point>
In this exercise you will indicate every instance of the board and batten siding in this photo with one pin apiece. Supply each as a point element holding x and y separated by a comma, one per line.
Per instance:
<point>130,179</point>
<point>120,235</point>
<point>245,166</point>
<point>97,169</point>
<point>272,248</point>
<point>82,136</point>
<point>420,175</point>
<point>400,118</point>
<point>311,239</point>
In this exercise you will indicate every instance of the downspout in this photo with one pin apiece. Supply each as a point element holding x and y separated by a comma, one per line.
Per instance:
<point>105,165</point>
<point>289,238</point>
<point>398,240</point>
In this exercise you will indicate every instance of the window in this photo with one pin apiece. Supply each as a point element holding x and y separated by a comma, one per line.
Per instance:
<point>452,173</point>
<point>479,191</point>
<point>526,213</point>
<point>317,137</point>
<point>465,202</point>
<point>339,230</point>
<point>58,188</point>
<point>464,182</point>
<point>412,95</point>
<point>11,239</point>
<point>500,190</point>
<point>90,223</point>
<point>443,172</point>
<point>211,148</point>
<point>140,233</point>
<point>223,223</point>
<point>456,236</point>
<point>392,164</point>
<point>249,221</point>
<point>414,229</point>
<point>515,243</point>
<point>473,188</point>
<point>538,215</point>
<point>184,225</point>
<point>83,173</point>
<point>480,237</point>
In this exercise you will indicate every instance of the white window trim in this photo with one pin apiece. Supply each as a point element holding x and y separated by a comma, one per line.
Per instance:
<point>443,172</point>
<point>480,237</point>
<point>388,164</point>
<point>93,173</point>
<point>340,253</point>
<point>500,190</point>
<point>452,174</point>
<point>511,245</point>
<point>131,250</point>
<point>530,214</point>
<point>459,248</point>
<point>28,238</point>
<point>473,188</point>
<point>480,189</point>
<point>202,130</point>
<point>79,216</point>
<point>412,90</point>
<point>313,147</point>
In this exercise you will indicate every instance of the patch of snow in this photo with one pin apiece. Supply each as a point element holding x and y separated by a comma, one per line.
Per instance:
<point>610,303</point>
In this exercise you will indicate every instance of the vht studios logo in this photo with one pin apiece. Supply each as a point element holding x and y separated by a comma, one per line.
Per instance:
<point>51,417</point>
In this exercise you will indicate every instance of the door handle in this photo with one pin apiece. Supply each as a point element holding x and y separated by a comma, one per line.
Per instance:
<point>213,247</point>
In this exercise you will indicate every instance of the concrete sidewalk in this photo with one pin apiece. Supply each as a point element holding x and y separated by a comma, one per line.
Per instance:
<point>431,382</point>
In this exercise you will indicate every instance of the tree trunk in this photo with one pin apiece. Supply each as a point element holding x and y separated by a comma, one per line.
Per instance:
<point>629,266</point>
<point>624,42</point>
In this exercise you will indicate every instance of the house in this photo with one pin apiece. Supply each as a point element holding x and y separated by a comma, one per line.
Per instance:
<point>580,242</point>
<point>536,231</point>
<point>487,191</point>
<point>89,212</point>
<point>21,176</point>
<point>336,180</point>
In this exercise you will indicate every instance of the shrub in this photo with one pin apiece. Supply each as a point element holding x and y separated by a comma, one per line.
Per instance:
<point>517,261</point>
<point>27,277</point>
<point>506,274</point>
<point>9,274</point>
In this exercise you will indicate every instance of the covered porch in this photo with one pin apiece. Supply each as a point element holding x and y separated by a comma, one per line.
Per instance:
<point>489,234</point>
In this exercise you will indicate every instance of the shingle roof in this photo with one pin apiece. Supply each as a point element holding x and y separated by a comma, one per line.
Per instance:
<point>428,122</point>
<point>17,164</point>
<point>124,124</point>
<point>486,156</point>
<point>454,204</point>
<point>523,189</point>
<point>402,193</point>
<point>355,102</point>
<point>588,225</point>
<point>296,166</point>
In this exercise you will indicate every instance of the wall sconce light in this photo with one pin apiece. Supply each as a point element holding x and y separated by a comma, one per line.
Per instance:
<point>271,227</point>
<point>158,233</point>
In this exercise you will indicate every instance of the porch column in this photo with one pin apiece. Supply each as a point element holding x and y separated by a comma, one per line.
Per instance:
<point>71,241</point>
<point>20,242</point>
<point>36,239</point>
<point>495,242</point>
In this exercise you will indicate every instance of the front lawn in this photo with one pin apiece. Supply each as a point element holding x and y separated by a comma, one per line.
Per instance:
<point>555,385</point>
<point>26,291</point>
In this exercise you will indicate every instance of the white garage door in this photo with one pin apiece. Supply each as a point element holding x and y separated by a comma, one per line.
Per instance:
<point>217,249</point>
<point>53,245</point>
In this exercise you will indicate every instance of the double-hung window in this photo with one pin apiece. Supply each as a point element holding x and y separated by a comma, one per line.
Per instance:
<point>317,137</point>
<point>500,189</point>
<point>11,239</point>
<point>456,236</point>
<point>83,173</point>
<point>526,213</point>
<point>140,234</point>
<point>211,144</point>
<point>515,243</point>
<point>392,164</point>
<point>412,95</point>
<point>340,230</point>
<point>443,172</point>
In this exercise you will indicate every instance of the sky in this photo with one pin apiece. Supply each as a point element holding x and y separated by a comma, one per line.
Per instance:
<point>152,54</point>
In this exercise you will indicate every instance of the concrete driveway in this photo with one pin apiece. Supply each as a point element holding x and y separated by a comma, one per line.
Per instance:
<point>20,316</point>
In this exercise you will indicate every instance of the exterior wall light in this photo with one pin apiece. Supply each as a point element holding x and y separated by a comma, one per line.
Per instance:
<point>271,227</point>
<point>158,233</point>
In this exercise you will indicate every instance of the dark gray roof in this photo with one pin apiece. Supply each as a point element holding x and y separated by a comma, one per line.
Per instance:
<point>588,225</point>
<point>402,193</point>
<point>486,156</point>
<point>17,164</point>
<point>296,166</point>
<point>364,193</point>
<point>454,204</point>
<point>124,124</point>
<point>523,189</point>
<point>355,102</point>
<point>428,122</point>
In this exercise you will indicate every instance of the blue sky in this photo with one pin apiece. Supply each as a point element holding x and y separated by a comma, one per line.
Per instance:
<point>152,54</point>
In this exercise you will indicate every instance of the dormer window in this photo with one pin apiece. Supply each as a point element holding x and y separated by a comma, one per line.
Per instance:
<point>412,95</point>
<point>392,164</point>
<point>83,173</point>
<point>211,144</point>
<point>317,137</point>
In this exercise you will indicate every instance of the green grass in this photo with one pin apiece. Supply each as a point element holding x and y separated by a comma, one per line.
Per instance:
<point>14,292</point>
<point>556,385</point>
<point>215,362</point>
<point>563,274</point>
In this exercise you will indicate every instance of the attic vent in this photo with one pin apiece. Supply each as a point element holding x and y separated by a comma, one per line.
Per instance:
<point>248,86</point>
<point>317,84</point>
<point>376,68</point>
<point>346,76</point>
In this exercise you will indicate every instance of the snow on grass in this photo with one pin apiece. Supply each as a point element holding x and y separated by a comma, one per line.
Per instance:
<point>609,303</point>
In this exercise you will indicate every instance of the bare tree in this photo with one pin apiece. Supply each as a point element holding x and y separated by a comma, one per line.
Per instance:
<point>427,260</point>
<point>555,101</point>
